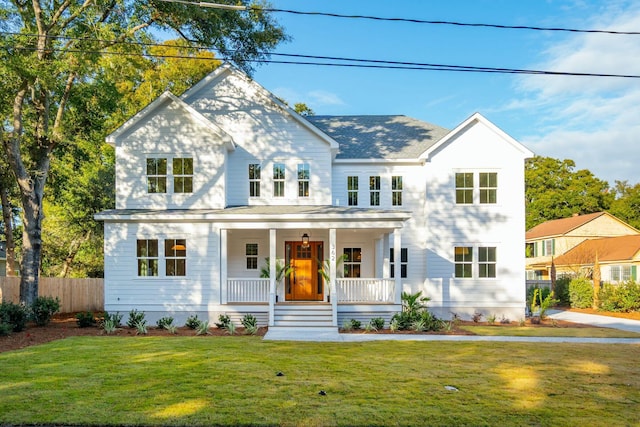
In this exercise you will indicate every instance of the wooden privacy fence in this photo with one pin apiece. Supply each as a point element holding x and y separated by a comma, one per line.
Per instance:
<point>75,294</point>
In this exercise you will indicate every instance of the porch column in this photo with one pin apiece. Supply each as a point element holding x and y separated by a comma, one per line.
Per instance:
<point>397,251</point>
<point>272,275</point>
<point>223,266</point>
<point>332,276</point>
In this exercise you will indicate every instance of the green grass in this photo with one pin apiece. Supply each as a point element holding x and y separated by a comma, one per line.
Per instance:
<point>528,331</point>
<point>232,381</point>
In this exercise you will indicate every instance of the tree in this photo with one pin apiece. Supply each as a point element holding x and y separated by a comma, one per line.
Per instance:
<point>626,206</point>
<point>49,49</point>
<point>554,189</point>
<point>303,109</point>
<point>7,194</point>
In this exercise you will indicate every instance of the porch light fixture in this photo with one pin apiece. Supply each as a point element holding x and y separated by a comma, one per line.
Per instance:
<point>305,240</point>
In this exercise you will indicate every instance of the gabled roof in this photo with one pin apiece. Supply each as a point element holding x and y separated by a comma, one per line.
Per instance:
<point>609,249</point>
<point>473,119</point>
<point>560,227</point>
<point>150,109</point>
<point>379,137</point>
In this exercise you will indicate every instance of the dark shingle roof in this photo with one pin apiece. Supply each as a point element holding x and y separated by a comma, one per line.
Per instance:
<point>379,137</point>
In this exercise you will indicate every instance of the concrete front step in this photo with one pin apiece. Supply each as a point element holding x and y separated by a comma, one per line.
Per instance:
<point>300,333</point>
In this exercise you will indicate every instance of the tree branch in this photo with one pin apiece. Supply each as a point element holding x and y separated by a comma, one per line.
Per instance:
<point>57,136</point>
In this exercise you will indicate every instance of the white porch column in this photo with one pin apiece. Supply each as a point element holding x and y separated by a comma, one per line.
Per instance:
<point>223,266</point>
<point>397,256</point>
<point>272,276</point>
<point>386,257</point>
<point>332,276</point>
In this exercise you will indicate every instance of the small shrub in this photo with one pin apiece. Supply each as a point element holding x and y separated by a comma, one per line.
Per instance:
<point>347,325</point>
<point>377,323</point>
<point>141,328</point>
<point>5,329</point>
<point>249,321</point>
<point>355,324</point>
<point>15,315</point>
<point>192,322</point>
<point>491,319</point>
<point>223,321</point>
<point>114,318</point>
<point>165,322</point>
<point>521,322</point>
<point>624,297</point>
<point>394,325</point>
<point>561,290</point>
<point>370,328</point>
<point>109,325</point>
<point>171,328</point>
<point>231,328</point>
<point>455,319</point>
<point>85,319</point>
<point>43,309</point>
<point>504,320</point>
<point>135,318</point>
<point>581,293</point>
<point>203,328</point>
<point>477,317</point>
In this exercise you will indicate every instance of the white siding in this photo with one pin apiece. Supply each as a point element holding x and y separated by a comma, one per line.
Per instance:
<point>170,133</point>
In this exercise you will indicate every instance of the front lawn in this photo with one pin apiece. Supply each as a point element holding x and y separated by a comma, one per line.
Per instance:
<point>234,381</point>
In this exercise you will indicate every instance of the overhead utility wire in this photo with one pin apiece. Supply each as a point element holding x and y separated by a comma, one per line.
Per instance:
<point>356,63</point>
<point>409,20</point>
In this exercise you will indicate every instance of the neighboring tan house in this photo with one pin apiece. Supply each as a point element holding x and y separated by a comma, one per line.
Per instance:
<point>547,241</point>
<point>211,184</point>
<point>618,257</point>
<point>3,259</point>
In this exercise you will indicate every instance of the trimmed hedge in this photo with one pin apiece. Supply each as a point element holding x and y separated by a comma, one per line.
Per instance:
<point>581,293</point>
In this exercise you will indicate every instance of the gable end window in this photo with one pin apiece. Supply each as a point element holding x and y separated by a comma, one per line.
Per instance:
<point>396,190</point>
<point>463,259</point>
<point>254,180</point>
<point>374,190</point>
<point>156,175</point>
<point>488,187</point>
<point>147,255</point>
<point>303,180</point>
<point>278,179</point>
<point>404,261</point>
<point>175,254</point>
<point>464,188</point>
<point>352,190</point>
<point>182,175</point>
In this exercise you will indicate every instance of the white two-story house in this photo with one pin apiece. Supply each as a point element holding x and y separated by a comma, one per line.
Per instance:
<point>225,181</point>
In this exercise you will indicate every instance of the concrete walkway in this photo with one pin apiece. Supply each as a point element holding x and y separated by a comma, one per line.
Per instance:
<point>309,334</point>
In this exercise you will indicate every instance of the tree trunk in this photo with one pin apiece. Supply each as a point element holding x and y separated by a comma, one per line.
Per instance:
<point>7,217</point>
<point>73,251</point>
<point>31,242</point>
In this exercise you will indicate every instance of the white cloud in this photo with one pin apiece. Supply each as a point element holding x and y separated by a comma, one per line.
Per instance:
<point>592,120</point>
<point>324,98</point>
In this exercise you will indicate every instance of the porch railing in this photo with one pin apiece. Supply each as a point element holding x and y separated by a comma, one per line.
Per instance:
<point>247,290</point>
<point>365,290</point>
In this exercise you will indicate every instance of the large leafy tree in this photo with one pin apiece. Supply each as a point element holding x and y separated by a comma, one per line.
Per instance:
<point>50,49</point>
<point>626,206</point>
<point>554,189</point>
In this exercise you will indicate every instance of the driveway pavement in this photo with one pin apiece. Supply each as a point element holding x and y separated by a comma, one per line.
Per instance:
<point>332,335</point>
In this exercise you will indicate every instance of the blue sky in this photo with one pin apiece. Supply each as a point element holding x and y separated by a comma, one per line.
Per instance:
<point>593,121</point>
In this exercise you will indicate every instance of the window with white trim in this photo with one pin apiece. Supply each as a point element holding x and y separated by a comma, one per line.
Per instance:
<point>251,252</point>
<point>404,261</point>
<point>254,180</point>
<point>488,187</point>
<point>352,262</point>
<point>374,191</point>
<point>621,273</point>
<point>463,261</point>
<point>464,188</point>
<point>147,256</point>
<point>278,179</point>
<point>487,261</point>
<point>396,190</point>
<point>352,190</point>
<point>182,175</point>
<point>156,175</point>
<point>175,254</point>
<point>303,179</point>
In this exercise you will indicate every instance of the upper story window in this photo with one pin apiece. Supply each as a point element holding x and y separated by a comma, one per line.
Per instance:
<point>374,190</point>
<point>488,187</point>
<point>156,175</point>
<point>352,190</point>
<point>182,175</point>
<point>464,188</point>
<point>396,190</point>
<point>303,179</point>
<point>487,261</point>
<point>463,259</point>
<point>278,179</point>
<point>147,255</point>
<point>254,180</point>
<point>175,254</point>
<point>251,252</point>
<point>404,261</point>
<point>352,262</point>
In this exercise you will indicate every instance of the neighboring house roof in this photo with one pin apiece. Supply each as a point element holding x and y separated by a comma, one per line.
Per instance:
<point>379,137</point>
<point>609,249</point>
<point>559,227</point>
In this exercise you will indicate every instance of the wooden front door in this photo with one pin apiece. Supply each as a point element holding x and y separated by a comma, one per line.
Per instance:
<point>304,282</point>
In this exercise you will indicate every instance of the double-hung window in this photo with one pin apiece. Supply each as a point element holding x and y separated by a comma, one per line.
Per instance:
<point>374,190</point>
<point>182,175</point>
<point>278,179</point>
<point>303,180</point>
<point>404,260</point>
<point>352,190</point>
<point>352,262</point>
<point>147,255</point>
<point>487,261</point>
<point>488,187</point>
<point>464,188</point>
<point>251,252</point>
<point>396,190</point>
<point>156,175</point>
<point>463,260</point>
<point>175,254</point>
<point>621,273</point>
<point>254,180</point>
